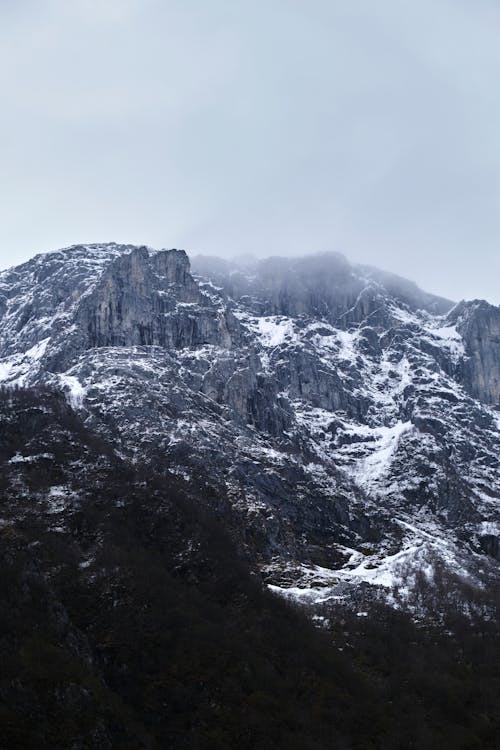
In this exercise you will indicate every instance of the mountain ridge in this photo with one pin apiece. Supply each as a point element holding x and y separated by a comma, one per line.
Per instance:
<point>349,417</point>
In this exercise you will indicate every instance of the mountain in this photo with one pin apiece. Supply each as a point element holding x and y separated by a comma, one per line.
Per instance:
<point>345,423</point>
<point>245,504</point>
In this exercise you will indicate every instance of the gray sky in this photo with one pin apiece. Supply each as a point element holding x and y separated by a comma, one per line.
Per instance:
<point>265,127</point>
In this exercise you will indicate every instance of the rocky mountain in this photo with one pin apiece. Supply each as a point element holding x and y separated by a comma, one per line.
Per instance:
<point>345,423</point>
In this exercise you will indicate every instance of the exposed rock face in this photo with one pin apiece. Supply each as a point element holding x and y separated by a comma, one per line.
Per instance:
<point>479,324</point>
<point>152,301</point>
<point>345,413</point>
<point>109,296</point>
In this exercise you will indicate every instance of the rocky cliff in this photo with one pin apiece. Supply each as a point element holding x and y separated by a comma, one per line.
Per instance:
<point>479,324</point>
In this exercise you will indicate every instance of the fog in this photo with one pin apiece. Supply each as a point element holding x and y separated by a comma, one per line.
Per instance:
<point>271,127</point>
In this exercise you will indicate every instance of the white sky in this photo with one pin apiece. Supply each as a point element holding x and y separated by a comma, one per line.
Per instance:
<point>264,127</point>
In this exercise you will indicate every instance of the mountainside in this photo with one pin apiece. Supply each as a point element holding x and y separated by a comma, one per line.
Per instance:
<point>129,620</point>
<point>345,423</point>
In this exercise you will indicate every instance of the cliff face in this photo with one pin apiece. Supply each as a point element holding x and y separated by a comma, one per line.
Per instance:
<point>345,414</point>
<point>479,324</point>
<point>144,300</point>
<point>324,286</point>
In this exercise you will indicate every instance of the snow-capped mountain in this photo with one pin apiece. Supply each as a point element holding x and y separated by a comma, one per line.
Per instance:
<point>348,420</point>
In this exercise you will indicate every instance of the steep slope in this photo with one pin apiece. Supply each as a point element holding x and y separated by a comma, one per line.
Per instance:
<point>349,419</point>
<point>129,620</point>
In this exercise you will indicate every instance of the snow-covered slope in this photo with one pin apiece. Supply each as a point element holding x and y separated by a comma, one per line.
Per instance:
<point>350,419</point>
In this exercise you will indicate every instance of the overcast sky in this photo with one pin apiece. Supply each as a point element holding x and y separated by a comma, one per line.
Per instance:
<point>264,127</point>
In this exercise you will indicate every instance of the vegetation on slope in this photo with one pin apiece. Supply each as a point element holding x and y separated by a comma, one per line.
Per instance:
<point>128,619</point>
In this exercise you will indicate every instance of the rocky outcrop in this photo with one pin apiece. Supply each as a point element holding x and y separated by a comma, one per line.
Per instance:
<point>152,300</point>
<point>479,324</point>
<point>253,396</point>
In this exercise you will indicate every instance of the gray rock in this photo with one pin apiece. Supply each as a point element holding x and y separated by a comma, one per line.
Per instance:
<point>479,324</point>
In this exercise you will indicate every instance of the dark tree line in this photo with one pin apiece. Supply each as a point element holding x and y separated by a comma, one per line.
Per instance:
<point>129,620</point>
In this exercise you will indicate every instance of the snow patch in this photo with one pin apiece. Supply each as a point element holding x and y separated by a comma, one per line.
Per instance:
<point>15,369</point>
<point>378,462</point>
<point>449,337</point>
<point>19,459</point>
<point>74,390</point>
<point>347,345</point>
<point>489,528</point>
<point>272,330</point>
